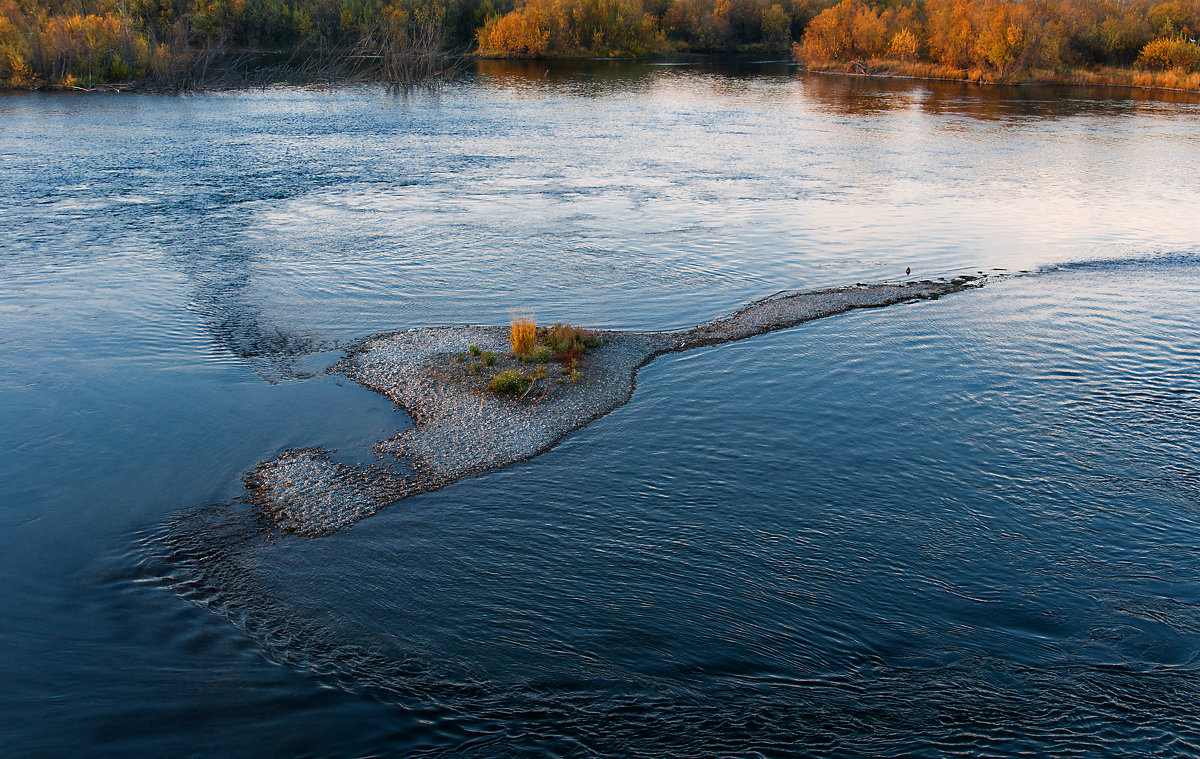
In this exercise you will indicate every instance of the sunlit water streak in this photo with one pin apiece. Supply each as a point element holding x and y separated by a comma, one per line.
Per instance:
<point>959,527</point>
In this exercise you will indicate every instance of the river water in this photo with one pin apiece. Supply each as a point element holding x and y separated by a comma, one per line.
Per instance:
<point>960,527</point>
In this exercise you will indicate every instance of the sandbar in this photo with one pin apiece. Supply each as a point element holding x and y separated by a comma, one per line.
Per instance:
<point>460,428</point>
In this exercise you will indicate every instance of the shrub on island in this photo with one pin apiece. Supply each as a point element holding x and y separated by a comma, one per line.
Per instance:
<point>567,342</point>
<point>523,333</point>
<point>563,343</point>
<point>509,382</point>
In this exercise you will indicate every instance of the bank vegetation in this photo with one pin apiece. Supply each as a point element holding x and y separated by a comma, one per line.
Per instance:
<point>179,44</point>
<point>1132,42</point>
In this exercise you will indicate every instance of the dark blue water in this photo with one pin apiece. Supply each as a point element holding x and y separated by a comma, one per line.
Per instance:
<point>965,526</point>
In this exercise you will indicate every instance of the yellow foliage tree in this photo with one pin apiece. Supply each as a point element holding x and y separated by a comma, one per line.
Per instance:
<point>851,29</point>
<point>520,33</point>
<point>952,31</point>
<point>1003,37</point>
<point>1164,54</point>
<point>776,28</point>
<point>904,46</point>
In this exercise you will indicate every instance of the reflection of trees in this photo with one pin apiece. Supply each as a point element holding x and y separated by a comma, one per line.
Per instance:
<point>598,78</point>
<point>858,96</point>
<point>1039,101</point>
<point>585,78</point>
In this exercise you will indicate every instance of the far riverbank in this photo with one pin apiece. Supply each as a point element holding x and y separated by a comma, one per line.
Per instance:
<point>249,70</point>
<point>1130,79</point>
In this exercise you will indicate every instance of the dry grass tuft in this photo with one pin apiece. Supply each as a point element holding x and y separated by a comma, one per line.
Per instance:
<point>569,343</point>
<point>523,335</point>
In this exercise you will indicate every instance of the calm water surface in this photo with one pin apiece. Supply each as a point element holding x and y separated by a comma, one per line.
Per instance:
<point>960,527</point>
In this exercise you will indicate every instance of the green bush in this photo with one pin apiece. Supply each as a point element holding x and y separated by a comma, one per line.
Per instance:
<point>474,349</point>
<point>476,367</point>
<point>509,381</point>
<point>489,358</point>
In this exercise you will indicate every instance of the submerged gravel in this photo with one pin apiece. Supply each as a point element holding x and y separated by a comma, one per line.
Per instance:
<point>460,428</point>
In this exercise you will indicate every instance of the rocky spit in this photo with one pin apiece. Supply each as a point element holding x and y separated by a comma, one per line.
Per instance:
<point>461,428</point>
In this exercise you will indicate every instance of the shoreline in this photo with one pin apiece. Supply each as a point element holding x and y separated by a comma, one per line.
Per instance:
<point>1080,78</point>
<point>459,431</point>
<point>234,79</point>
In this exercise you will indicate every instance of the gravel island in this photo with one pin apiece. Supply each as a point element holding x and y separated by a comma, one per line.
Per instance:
<point>461,428</point>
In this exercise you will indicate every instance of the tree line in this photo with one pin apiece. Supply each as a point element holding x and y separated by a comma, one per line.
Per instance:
<point>1007,39</point>
<point>174,42</point>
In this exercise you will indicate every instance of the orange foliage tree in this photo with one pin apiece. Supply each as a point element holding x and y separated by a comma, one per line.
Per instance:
<point>1016,35</point>
<point>572,27</point>
<point>853,29</point>
<point>951,28</point>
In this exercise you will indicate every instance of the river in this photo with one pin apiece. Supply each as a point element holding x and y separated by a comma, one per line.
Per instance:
<point>966,526</point>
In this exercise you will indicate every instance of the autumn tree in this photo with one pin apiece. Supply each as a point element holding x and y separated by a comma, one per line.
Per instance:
<point>1016,35</point>
<point>572,27</point>
<point>776,28</point>
<point>853,29</point>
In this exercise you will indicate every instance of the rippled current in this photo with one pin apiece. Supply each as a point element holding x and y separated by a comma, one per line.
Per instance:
<point>968,526</point>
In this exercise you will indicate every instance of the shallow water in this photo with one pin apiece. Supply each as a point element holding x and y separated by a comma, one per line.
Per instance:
<point>962,526</point>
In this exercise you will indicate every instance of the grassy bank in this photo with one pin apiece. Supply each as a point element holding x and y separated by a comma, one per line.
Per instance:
<point>1173,80</point>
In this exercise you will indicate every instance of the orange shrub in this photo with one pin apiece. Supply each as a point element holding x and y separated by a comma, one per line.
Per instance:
<point>90,48</point>
<point>523,333</point>
<point>1004,35</point>
<point>14,65</point>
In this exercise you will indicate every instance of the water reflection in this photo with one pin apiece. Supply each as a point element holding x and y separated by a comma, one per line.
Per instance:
<point>855,95</point>
<point>850,95</point>
<point>577,78</point>
<point>599,77</point>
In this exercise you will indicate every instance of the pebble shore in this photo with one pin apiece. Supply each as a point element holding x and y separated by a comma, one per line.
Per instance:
<point>460,428</point>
